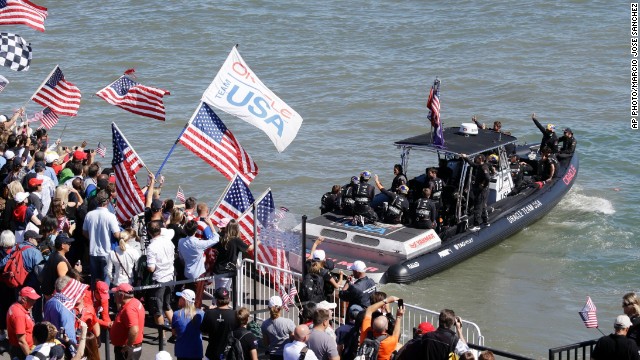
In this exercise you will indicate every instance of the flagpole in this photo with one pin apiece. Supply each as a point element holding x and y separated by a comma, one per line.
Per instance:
<point>222,194</point>
<point>41,85</point>
<point>176,142</point>
<point>603,334</point>
<point>131,147</point>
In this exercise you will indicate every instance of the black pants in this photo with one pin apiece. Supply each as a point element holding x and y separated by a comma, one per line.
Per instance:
<point>480,196</point>
<point>121,354</point>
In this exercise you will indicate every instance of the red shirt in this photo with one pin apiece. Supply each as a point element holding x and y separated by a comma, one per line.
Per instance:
<point>131,314</point>
<point>19,322</point>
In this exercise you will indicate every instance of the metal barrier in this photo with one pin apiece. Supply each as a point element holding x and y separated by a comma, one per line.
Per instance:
<point>577,351</point>
<point>500,353</point>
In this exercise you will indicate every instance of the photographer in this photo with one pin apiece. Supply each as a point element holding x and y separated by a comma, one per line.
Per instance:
<point>440,343</point>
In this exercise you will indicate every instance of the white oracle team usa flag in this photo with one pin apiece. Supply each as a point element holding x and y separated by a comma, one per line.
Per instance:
<point>238,91</point>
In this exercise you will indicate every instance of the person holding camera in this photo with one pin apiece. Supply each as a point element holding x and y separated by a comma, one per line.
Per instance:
<point>437,345</point>
<point>377,329</point>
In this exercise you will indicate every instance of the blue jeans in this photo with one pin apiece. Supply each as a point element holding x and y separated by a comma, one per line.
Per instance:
<point>99,271</point>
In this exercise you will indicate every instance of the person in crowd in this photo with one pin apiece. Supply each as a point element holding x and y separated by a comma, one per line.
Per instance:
<point>549,137</point>
<point>123,259</point>
<point>322,344</point>
<point>397,206</point>
<point>99,225</point>
<point>218,323</point>
<point>59,212</point>
<point>127,330</point>
<point>330,201</point>
<point>276,330</point>
<point>35,193</point>
<point>436,185</point>
<point>568,147</point>
<point>229,247</point>
<point>378,328</point>
<point>191,250</point>
<point>438,344</point>
<point>190,208</point>
<point>154,211</point>
<point>14,188</point>
<point>23,215</point>
<point>99,298</point>
<point>18,171</point>
<point>306,313</point>
<point>486,355</point>
<point>7,242</point>
<point>631,308</point>
<point>294,350</point>
<point>497,126</point>
<point>177,220</point>
<point>479,190</point>
<point>91,180</point>
<point>363,196</point>
<point>20,324</point>
<point>185,327</point>
<point>547,166</point>
<point>160,263</point>
<point>616,345</point>
<point>348,332</point>
<point>358,287</point>
<point>44,341</point>
<point>399,178</point>
<point>518,170</point>
<point>425,213</point>
<point>48,188</point>
<point>319,264</point>
<point>347,203</point>
<point>248,340</point>
<point>58,310</point>
<point>50,158</point>
<point>330,307</point>
<point>85,312</point>
<point>57,265</point>
<point>206,229</point>
<point>423,328</point>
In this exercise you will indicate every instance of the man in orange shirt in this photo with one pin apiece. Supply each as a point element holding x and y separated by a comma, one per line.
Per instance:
<point>127,330</point>
<point>20,323</point>
<point>378,328</point>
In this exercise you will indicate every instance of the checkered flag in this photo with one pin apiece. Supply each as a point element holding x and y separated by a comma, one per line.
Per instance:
<point>15,52</point>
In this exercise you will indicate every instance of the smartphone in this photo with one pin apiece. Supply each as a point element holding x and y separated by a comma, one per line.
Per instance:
<point>400,303</point>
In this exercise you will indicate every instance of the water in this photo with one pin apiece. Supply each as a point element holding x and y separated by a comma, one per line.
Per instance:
<point>359,74</point>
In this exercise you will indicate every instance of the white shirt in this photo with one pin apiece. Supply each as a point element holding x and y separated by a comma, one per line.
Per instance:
<point>100,224</point>
<point>48,191</point>
<point>160,253</point>
<point>128,258</point>
<point>292,351</point>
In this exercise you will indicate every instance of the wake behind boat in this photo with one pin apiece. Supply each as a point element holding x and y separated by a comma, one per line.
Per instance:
<point>398,253</point>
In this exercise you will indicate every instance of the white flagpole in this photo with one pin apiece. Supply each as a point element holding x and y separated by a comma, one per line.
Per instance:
<point>131,147</point>
<point>41,85</point>
<point>217,203</point>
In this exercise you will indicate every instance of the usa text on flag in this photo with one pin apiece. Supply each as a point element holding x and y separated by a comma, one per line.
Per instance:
<point>208,137</point>
<point>15,52</point>
<point>588,314</point>
<point>47,117</point>
<point>134,97</point>
<point>60,95</point>
<point>22,12</point>
<point>433,104</point>
<point>126,164</point>
<point>238,91</point>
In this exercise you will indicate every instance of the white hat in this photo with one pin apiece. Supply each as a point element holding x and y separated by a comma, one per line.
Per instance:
<point>9,154</point>
<point>50,157</point>
<point>622,321</point>
<point>3,118</point>
<point>187,295</point>
<point>275,300</point>
<point>324,304</point>
<point>358,266</point>
<point>163,355</point>
<point>319,255</point>
<point>20,197</point>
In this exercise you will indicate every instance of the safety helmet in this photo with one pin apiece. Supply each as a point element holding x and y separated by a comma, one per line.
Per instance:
<point>493,158</point>
<point>403,189</point>
<point>366,175</point>
<point>551,127</point>
<point>354,179</point>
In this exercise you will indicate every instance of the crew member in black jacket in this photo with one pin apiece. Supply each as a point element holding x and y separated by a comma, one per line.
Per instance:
<point>479,190</point>
<point>549,137</point>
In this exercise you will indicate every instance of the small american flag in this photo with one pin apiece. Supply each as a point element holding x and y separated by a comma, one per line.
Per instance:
<point>3,82</point>
<point>101,150</point>
<point>47,117</point>
<point>73,292</point>
<point>134,97</point>
<point>208,138</point>
<point>588,314</point>
<point>433,104</point>
<point>60,95</point>
<point>22,12</point>
<point>126,164</point>
<point>288,297</point>
<point>180,195</point>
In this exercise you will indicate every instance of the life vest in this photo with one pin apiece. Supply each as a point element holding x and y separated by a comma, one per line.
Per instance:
<point>394,210</point>
<point>436,186</point>
<point>362,194</point>
<point>423,210</point>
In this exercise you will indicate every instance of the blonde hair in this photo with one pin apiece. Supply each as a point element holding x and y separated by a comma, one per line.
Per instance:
<point>14,188</point>
<point>62,193</point>
<point>126,235</point>
<point>634,300</point>
<point>189,309</point>
<point>177,215</point>
<point>316,267</point>
<point>232,230</point>
<point>275,312</point>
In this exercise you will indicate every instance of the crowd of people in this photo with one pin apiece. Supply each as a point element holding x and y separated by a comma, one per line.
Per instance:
<point>624,342</point>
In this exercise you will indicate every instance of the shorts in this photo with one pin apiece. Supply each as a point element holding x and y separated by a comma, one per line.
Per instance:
<point>160,300</point>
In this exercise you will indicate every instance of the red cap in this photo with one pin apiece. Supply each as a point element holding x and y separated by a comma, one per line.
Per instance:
<point>112,179</point>
<point>35,182</point>
<point>29,293</point>
<point>124,287</point>
<point>426,327</point>
<point>102,289</point>
<point>79,155</point>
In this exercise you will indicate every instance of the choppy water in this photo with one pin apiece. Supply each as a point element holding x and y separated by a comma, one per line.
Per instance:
<point>359,73</point>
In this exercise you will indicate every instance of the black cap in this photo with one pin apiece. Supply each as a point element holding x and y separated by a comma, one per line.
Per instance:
<point>39,166</point>
<point>221,293</point>
<point>17,161</point>
<point>63,238</point>
<point>568,130</point>
<point>30,234</point>
<point>156,205</point>
<point>102,183</point>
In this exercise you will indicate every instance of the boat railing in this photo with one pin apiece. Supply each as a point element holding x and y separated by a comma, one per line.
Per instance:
<point>577,351</point>
<point>255,289</point>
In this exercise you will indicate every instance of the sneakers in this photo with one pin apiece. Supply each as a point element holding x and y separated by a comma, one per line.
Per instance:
<point>475,228</point>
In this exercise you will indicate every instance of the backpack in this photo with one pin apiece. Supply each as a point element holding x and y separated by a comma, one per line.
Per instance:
<point>312,288</point>
<point>233,348</point>
<point>370,347</point>
<point>14,273</point>
<point>141,275</point>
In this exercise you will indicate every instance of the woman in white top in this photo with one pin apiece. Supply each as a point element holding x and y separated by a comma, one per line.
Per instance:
<point>123,259</point>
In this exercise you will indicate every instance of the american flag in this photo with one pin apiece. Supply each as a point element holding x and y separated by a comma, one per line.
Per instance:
<point>3,82</point>
<point>288,297</point>
<point>433,104</point>
<point>60,95</point>
<point>588,314</point>
<point>126,164</point>
<point>134,97</point>
<point>22,12</point>
<point>235,202</point>
<point>101,150</point>
<point>180,195</point>
<point>208,137</point>
<point>47,117</point>
<point>73,292</point>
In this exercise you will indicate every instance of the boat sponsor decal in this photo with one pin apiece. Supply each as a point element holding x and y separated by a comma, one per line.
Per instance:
<point>571,173</point>
<point>444,253</point>
<point>422,241</point>
<point>462,244</point>
<point>413,265</point>
<point>524,211</point>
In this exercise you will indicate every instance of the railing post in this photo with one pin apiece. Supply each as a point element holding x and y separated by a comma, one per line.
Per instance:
<point>303,239</point>
<point>107,345</point>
